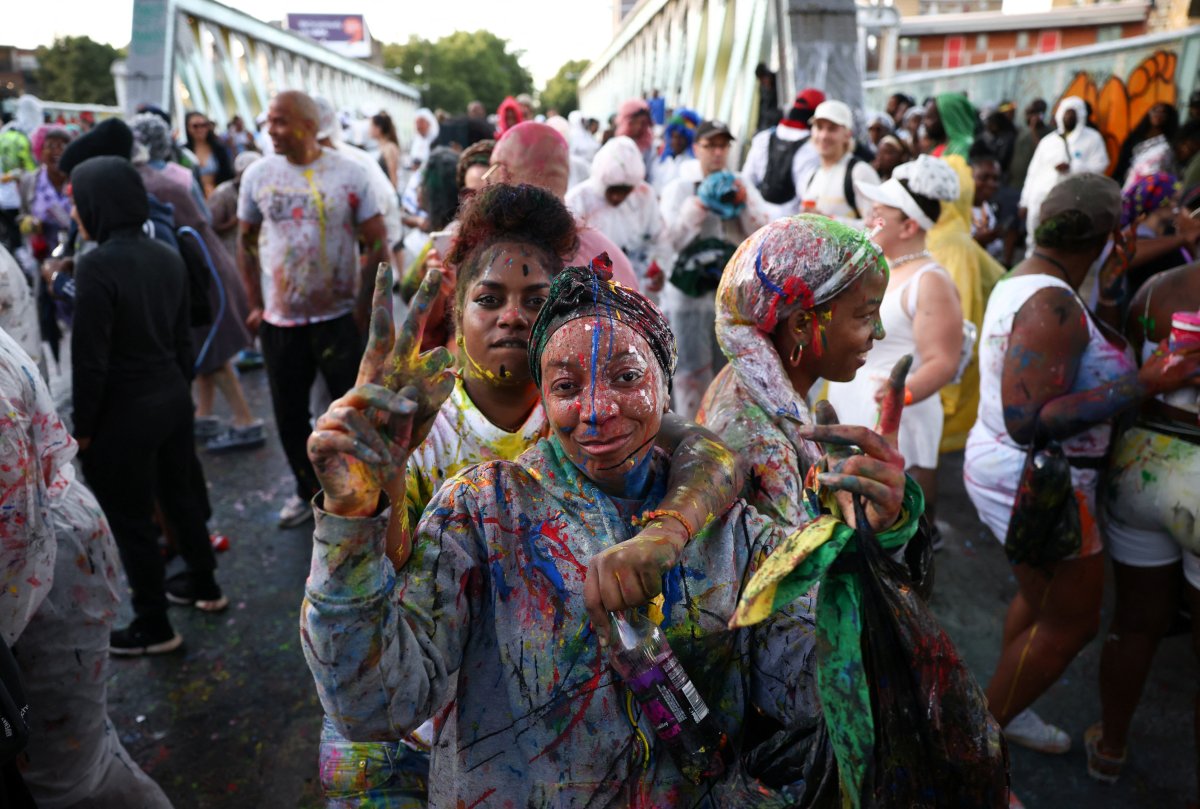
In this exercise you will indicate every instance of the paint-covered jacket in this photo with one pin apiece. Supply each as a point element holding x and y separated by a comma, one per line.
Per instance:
<point>775,468</point>
<point>493,593</point>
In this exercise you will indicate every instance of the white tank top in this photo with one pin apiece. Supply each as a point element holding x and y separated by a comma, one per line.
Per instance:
<point>1102,362</point>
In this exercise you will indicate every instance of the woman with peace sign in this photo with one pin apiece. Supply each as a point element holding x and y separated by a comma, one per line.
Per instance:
<point>511,241</point>
<point>511,560</point>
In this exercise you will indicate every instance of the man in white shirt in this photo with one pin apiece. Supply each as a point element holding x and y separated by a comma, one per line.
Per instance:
<point>708,212</point>
<point>1075,148</point>
<point>834,188</point>
<point>781,159</point>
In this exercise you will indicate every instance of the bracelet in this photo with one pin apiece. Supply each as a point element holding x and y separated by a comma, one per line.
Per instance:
<point>658,513</point>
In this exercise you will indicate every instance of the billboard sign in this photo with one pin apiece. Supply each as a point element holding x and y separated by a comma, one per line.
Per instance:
<point>344,33</point>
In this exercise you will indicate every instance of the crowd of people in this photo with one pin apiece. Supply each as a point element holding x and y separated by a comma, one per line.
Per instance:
<point>527,374</point>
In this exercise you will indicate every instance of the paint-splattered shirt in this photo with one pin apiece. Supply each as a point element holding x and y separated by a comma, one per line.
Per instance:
<point>493,594</point>
<point>308,248</point>
<point>775,469</point>
<point>461,436</point>
<point>34,446</point>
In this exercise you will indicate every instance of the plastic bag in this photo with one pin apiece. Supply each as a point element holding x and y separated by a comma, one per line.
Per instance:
<point>792,768</point>
<point>936,745</point>
<point>1044,527</point>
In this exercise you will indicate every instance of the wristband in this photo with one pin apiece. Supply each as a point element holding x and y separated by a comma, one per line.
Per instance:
<point>657,514</point>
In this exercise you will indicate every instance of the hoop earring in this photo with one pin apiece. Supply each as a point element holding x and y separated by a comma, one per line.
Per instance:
<point>794,357</point>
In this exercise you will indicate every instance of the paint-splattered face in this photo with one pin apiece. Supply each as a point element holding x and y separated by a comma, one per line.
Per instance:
<point>605,396</point>
<point>843,331</point>
<point>497,311</point>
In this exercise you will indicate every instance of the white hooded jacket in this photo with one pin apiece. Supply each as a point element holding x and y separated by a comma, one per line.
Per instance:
<point>636,224</point>
<point>1082,149</point>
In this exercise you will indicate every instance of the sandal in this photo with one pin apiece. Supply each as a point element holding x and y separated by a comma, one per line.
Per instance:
<point>1101,766</point>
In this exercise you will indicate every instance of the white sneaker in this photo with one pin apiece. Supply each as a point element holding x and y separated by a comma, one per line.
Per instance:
<point>294,512</point>
<point>1028,730</point>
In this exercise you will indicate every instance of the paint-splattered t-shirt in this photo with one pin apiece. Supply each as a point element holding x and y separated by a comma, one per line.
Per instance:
<point>775,469</point>
<point>493,596</point>
<point>461,436</point>
<point>34,446</point>
<point>308,248</point>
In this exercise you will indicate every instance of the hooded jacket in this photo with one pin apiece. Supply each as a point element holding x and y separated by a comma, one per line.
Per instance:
<point>131,338</point>
<point>1082,150</point>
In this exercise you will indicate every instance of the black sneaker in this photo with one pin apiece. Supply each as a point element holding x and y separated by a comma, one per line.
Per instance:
<point>201,592</point>
<point>143,637</point>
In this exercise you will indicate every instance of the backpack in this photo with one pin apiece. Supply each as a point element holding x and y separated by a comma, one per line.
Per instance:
<point>778,186</point>
<point>847,183</point>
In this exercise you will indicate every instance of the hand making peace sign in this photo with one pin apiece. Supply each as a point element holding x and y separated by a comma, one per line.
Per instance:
<point>364,439</point>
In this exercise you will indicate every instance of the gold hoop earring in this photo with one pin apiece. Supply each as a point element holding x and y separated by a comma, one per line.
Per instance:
<point>794,357</point>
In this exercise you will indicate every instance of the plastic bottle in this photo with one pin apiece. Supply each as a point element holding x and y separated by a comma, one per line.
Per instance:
<point>1185,334</point>
<point>642,657</point>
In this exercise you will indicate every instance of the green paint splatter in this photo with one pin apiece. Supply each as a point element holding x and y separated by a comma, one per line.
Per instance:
<point>1149,477</point>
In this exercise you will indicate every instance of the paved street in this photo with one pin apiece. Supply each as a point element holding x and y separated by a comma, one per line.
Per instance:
<point>234,720</point>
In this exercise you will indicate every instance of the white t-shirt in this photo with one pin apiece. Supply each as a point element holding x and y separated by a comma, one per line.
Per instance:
<point>825,191</point>
<point>308,245</point>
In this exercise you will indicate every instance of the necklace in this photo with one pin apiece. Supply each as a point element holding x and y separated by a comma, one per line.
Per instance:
<point>1054,263</point>
<point>910,257</point>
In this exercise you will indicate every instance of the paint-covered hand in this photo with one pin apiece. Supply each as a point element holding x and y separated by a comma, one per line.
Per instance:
<point>1167,370</point>
<point>396,360</point>
<point>363,440</point>
<point>876,473</point>
<point>630,573</point>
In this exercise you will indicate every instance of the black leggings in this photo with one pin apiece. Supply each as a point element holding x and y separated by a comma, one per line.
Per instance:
<point>142,451</point>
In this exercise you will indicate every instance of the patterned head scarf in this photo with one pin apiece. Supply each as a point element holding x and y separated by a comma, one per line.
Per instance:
<point>1147,195</point>
<point>791,264</point>
<point>153,133</point>
<point>590,292</point>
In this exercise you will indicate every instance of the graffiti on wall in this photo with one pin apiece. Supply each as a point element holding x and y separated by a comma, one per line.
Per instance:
<point>1120,104</point>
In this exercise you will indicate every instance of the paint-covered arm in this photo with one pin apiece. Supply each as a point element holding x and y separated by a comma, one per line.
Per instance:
<point>1048,338</point>
<point>683,213</point>
<point>248,262</point>
<point>382,646</point>
<point>705,475</point>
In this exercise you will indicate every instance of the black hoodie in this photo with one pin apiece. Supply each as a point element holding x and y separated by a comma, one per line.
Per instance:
<point>131,339</point>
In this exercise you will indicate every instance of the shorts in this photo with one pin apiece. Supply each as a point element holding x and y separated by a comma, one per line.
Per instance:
<point>1152,502</point>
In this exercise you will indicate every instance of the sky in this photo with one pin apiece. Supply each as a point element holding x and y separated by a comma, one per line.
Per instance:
<point>534,26</point>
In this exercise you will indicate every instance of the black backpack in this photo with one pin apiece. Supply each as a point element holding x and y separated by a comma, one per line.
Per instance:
<point>847,183</point>
<point>777,185</point>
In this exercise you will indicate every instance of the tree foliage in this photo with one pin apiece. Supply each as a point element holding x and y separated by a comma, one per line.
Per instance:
<point>460,68</point>
<point>77,70</point>
<point>562,91</point>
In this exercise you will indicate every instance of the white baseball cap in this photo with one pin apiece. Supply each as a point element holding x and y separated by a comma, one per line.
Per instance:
<point>895,195</point>
<point>835,112</point>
